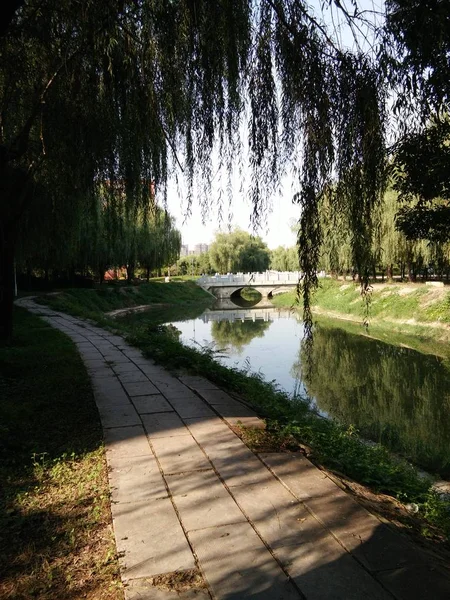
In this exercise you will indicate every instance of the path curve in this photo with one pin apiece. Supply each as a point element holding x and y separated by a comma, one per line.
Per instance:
<point>188,497</point>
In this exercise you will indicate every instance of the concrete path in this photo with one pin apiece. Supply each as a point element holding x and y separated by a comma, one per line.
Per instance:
<point>190,500</point>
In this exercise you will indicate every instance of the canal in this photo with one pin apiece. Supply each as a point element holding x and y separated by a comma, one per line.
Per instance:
<point>393,394</point>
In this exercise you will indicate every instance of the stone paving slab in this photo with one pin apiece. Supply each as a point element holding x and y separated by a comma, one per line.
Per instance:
<point>133,377</point>
<point>138,590</point>
<point>322,570</point>
<point>143,388</point>
<point>279,518</point>
<point>136,479</point>
<point>374,544</point>
<point>119,415</point>
<point>151,404</point>
<point>153,372</point>
<point>187,409</point>
<point>92,364</point>
<point>211,431</point>
<point>176,392</point>
<point>250,530</point>
<point>124,442</point>
<point>179,454</point>
<point>232,408</point>
<point>202,500</point>
<point>113,398</point>
<point>164,425</point>
<point>241,468</point>
<point>237,565</point>
<point>215,396</point>
<point>198,383</point>
<point>126,367</point>
<point>419,582</point>
<point>221,445</point>
<point>150,539</point>
<point>101,372</point>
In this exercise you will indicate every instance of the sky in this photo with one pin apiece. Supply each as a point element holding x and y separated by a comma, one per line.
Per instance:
<point>276,232</point>
<point>196,229</point>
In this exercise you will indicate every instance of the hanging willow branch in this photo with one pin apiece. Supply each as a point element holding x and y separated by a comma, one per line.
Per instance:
<point>160,86</point>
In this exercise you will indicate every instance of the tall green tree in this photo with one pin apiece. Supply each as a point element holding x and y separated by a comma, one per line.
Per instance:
<point>238,251</point>
<point>128,90</point>
<point>113,91</point>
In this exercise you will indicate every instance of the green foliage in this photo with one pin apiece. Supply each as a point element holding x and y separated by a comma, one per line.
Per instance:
<point>238,251</point>
<point>93,303</point>
<point>334,445</point>
<point>106,235</point>
<point>284,259</point>
<point>126,94</point>
<point>195,265</point>
<point>55,512</point>
<point>402,399</point>
<point>237,334</point>
<point>420,40</point>
<point>420,171</point>
<point>395,301</point>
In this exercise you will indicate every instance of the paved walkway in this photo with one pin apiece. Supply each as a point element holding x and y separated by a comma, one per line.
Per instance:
<point>187,494</point>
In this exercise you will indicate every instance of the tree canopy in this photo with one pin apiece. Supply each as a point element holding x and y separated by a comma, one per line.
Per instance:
<point>238,251</point>
<point>131,91</point>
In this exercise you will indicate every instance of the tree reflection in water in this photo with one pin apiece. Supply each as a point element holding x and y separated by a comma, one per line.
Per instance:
<point>394,395</point>
<point>235,335</point>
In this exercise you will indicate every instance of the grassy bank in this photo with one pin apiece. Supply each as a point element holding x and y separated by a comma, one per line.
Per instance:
<point>56,537</point>
<point>414,309</point>
<point>94,303</point>
<point>334,446</point>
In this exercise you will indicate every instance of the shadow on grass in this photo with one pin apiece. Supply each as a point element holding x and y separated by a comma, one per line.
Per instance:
<point>54,541</point>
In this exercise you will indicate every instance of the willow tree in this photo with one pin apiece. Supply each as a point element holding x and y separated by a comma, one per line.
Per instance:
<point>129,90</point>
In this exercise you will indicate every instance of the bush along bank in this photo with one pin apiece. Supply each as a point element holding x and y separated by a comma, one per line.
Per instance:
<point>333,446</point>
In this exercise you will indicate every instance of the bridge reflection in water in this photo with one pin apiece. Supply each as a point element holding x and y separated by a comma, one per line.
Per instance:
<point>243,314</point>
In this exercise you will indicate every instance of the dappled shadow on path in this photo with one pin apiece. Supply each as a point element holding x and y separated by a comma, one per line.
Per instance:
<point>185,486</point>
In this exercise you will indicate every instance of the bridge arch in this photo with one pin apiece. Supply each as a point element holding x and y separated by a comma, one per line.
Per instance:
<point>224,286</point>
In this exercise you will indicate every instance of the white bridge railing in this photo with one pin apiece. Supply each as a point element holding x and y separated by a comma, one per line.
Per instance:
<point>245,315</point>
<point>254,279</point>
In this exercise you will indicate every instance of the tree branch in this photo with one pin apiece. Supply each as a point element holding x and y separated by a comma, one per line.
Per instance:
<point>8,9</point>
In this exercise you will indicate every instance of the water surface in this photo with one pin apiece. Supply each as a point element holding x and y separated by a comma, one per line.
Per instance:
<point>393,394</point>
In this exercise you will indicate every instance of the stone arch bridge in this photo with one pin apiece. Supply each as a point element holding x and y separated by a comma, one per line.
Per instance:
<point>267,284</point>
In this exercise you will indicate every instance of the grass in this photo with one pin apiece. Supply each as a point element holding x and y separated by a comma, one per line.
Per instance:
<point>56,537</point>
<point>92,304</point>
<point>404,308</point>
<point>334,446</point>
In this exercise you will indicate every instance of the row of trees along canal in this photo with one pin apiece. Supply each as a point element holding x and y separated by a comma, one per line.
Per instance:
<point>110,98</point>
<point>64,242</point>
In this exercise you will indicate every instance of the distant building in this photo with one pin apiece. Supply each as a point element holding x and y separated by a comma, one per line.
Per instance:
<point>184,250</point>
<point>201,248</point>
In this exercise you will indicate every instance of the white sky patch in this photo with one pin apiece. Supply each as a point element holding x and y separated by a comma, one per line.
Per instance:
<point>276,231</point>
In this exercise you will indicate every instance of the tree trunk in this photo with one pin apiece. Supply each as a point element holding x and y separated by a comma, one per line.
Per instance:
<point>6,284</point>
<point>410,272</point>
<point>148,274</point>
<point>29,278</point>
<point>130,273</point>
<point>390,270</point>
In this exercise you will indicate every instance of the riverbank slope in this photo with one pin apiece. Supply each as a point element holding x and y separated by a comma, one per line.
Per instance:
<point>413,309</point>
<point>291,424</point>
